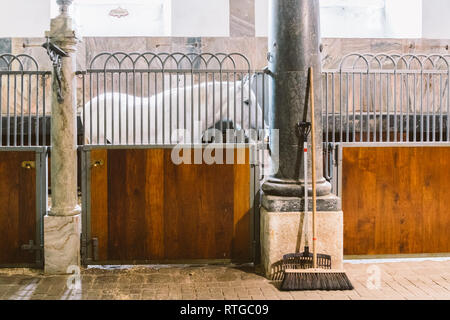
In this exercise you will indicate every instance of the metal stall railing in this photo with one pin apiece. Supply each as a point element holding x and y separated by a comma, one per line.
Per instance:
<point>144,98</point>
<point>151,100</point>
<point>23,148</point>
<point>383,99</point>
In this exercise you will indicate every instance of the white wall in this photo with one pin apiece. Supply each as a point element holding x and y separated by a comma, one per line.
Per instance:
<point>401,19</point>
<point>360,18</point>
<point>404,18</point>
<point>145,18</point>
<point>197,18</point>
<point>356,21</point>
<point>24,18</point>
<point>261,17</point>
<point>436,19</point>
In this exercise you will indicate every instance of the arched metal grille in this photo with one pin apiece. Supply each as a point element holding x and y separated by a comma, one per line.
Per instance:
<point>388,98</point>
<point>23,101</point>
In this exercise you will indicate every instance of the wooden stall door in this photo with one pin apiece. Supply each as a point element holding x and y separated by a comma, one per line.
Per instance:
<point>17,207</point>
<point>396,200</point>
<point>146,208</point>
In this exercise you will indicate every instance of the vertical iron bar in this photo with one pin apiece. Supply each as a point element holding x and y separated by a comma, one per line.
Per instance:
<point>221,99</point>
<point>127,110</point>
<point>178,100</point>
<point>134,106</point>
<point>368,107</point>
<point>263,100</point>
<point>242,102</point>
<point>142,108</point>
<point>156,105</point>
<point>185,109</point>
<point>170,107</point>
<point>347,125</point>
<point>433,132</point>
<point>120,107</point>
<point>84,108</point>
<point>441,119</point>
<point>408,107</point>
<point>1,109</point>
<point>401,107</point>
<point>8,114</point>
<point>415,110</point>
<point>361,104</point>
<point>91,141</point>
<point>148,108</point>
<point>333,138</point>
<point>105,115</point>
<point>421,105</point>
<point>29,109</point>
<point>192,101</point>
<point>448,105</point>
<point>381,110</point>
<point>256,109</point>
<point>206,103</point>
<point>374,105</point>
<point>353,107</point>
<point>340,106</point>
<point>15,110</point>
<point>21,112</point>
<point>388,115</point>
<point>44,130</point>
<point>112,108</point>
<point>98,107</point>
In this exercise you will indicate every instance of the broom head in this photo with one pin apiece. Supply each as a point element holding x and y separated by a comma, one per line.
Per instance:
<point>300,275</point>
<point>315,279</point>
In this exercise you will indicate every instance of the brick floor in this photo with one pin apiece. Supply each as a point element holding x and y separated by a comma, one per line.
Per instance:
<point>398,280</point>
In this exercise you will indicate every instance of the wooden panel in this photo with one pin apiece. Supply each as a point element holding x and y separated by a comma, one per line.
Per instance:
<point>144,207</point>
<point>395,200</point>
<point>242,214</point>
<point>99,202</point>
<point>17,207</point>
<point>154,202</point>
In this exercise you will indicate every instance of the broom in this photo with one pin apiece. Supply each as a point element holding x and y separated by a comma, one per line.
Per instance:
<point>320,276</point>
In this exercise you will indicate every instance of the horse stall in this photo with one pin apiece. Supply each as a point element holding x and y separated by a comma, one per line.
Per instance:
<point>23,161</point>
<point>388,149</point>
<point>158,184</point>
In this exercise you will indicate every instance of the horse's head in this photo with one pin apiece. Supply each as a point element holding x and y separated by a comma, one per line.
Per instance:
<point>253,115</point>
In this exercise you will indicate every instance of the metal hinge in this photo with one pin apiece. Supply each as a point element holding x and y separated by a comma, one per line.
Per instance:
<point>31,246</point>
<point>84,247</point>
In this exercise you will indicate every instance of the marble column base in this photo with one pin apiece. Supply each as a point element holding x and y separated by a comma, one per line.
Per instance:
<point>61,243</point>
<point>282,232</point>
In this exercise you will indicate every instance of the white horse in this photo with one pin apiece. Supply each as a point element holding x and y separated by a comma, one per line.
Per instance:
<point>113,118</point>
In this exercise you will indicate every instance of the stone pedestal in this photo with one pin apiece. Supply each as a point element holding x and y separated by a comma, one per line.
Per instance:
<point>283,229</point>
<point>61,243</point>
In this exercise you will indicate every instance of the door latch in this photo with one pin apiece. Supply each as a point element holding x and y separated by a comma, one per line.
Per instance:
<point>28,165</point>
<point>97,163</point>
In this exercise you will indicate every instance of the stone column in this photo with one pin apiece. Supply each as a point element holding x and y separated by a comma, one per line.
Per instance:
<point>62,225</point>
<point>294,46</point>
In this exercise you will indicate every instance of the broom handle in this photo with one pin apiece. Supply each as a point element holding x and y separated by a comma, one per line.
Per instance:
<point>313,165</point>
<point>305,209</point>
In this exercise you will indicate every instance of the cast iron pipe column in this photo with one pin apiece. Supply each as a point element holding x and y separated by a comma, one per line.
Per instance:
<point>294,47</point>
<point>294,41</point>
